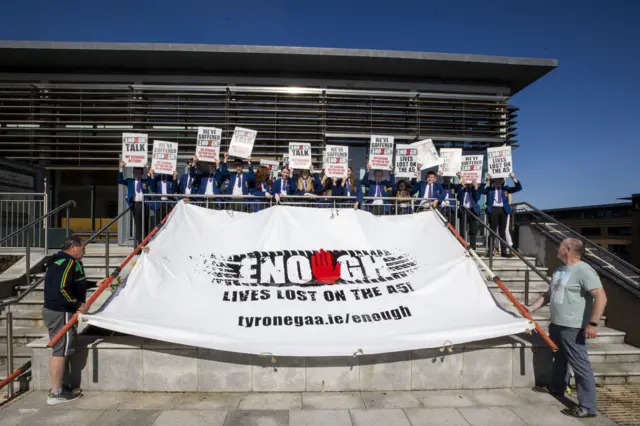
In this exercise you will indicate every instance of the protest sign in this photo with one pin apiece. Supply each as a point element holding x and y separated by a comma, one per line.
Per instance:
<point>134,149</point>
<point>381,152</point>
<point>451,161</point>
<point>499,161</point>
<point>285,159</point>
<point>242,142</point>
<point>164,158</point>
<point>208,144</point>
<point>427,154</point>
<point>337,161</point>
<point>273,167</point>
<point>299,155</point>
<point>471,168</point>
<point>406,161</point>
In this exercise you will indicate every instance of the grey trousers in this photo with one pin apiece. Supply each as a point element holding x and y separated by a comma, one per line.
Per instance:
<point>573,352</point>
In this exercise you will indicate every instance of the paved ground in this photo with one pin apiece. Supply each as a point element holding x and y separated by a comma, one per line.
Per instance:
<point>483,407</point>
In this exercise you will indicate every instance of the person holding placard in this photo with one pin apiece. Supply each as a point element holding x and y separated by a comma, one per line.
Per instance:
<point>307,183</point>
<point>187,182</point>
<point>165,186</point>
<point>209,182</point>
<point>349,186</point>
<point>498,206</point>
<point>448,188</point>
<point>430,191</point>
<point>401,192</point>
<point>238,180</point>
<point>136,187</point>
<point>468,196</point>
<point>285,185</point>
<point>379,189</point>
<point>262,188</point>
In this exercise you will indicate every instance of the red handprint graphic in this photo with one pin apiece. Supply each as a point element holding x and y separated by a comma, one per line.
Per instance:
<point>323,268</point>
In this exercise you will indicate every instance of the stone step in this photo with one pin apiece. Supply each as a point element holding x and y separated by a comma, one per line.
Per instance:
<point>21,354</point>
<point>23,335</point>
<point>616,373</point>
<point>509,272</point>
<point>37,295</point>
<point>605,335</point>
<point>24,320</point>
<point>613,353</point>
<point>499,262</point>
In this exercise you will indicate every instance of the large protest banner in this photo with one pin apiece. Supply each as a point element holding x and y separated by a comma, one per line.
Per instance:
<point>381,152</point>
<point>471,168</point>
<point>134,149</point>
<point>262,286</point>
<point>299,155</point>
<point>499,161</point>
<point>406,161</point>
<point>451,161</point>
<point>164,158</point>
<point>336,161</point>
<point>242,142</point>
<point>273,167</point>
<point>427,154</point>
<point>208,144</point>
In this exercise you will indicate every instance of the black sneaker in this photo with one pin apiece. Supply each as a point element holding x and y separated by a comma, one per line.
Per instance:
<point>578,413</point>
<point>62,397</point>
<point>545,389</point>
<point>69,389</point>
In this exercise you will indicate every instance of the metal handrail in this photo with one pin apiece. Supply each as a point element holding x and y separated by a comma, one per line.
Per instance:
<point>93,237</point>
<point>15,299</point>
<point>68,204</point>
<point>582,237</point>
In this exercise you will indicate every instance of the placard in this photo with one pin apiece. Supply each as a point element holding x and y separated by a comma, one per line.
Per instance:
<point>451,161</point>
<point>208,144</point>
<point>285,159</point>
<point>164,158</point>
<point>427,154</point>
<point>134,149</point>
<point>499,161</point>
<point>273,167</point>
<point>337,161</point>
<point>471,168</point>
<point>406,161</point>
<point>242,142</point>
<point>299,155</point>
<point>381,152</point>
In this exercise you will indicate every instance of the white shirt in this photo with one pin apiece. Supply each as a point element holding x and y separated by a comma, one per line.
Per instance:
<point>187,190</point>
<point>237,190</point>
<point>163,190</point>
<point>497,201</point>
<point>467,199</point>
<point>209,188</point>
<point>138,195</point>
<point>348,188</point>
<point>283,189</point>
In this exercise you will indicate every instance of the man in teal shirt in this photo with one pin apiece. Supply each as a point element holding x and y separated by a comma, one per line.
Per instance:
<point>577,304</point>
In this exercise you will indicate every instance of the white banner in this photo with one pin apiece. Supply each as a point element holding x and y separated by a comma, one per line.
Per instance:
<point>471,168</point>
<point>242,142</point>
<point>427,154</point>
<point>336,161</point>
<point>273,166</point>
<point>299,155</point>
<point>164,158</point>
<point>208,144</point>
<point>451,161</point>
<point>262,286</point>
<point>406,161</point>
<point>499,162</point>
<point>134,149</point>
<point>381,152</point>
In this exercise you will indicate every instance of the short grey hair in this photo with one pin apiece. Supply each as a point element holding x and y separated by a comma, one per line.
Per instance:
<point>575,245</point>
<point>72,242</point>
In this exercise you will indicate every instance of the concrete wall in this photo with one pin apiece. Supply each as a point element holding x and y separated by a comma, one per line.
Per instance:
<point>622,306</point>
<point>136,364</point>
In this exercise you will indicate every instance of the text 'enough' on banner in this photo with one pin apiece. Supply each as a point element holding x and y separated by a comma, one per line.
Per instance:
<point>242,141</point>
<point>337,161</point>
<point>381,152</point>
<point>499,162</point>
<point>208,144</point>
<point>134,149</point>
<point>300,155</point>
<point>164,157</point>
<point>406,161</point>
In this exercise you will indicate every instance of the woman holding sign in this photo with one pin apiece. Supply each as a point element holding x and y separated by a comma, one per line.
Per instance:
<point>349,186</point>
<point>262,189</point>
<point>307,184</point>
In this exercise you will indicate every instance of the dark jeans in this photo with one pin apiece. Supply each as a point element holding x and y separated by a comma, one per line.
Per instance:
<point>470,224</point>
<point>498,219</point>
<point>572,352</point>
<point>138,230</point>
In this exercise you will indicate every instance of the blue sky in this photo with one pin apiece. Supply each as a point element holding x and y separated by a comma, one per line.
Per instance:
<point>578,143</point>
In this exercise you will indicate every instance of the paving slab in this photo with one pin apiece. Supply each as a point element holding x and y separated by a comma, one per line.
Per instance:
<point>149,401</point>
<point>91,401</point>
<point>395,417</point>
<point>398,399</point>
<point>435,417</point>
<point>62,418</point>
<point>17,416</point>
<point>445,399</point>
<point>126,418</point>
<point>319,418</point>
<point>271,401</point>
<point>492,397</point>
<point>191,418</point>
<point>537,397</point>
<point>258,418</point>
<point>209,401</point>
<point>332,401</point>
<point>491,416</point>
<point>544,415</point>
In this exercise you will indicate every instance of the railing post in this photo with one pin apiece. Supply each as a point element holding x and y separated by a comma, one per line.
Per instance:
<point>93,208</point>
<point>45,210</point>
<point>9,319</point>
<point>490,248</point>
<point>526,287</point>
<point>106,254</point>
<point>68,214</point>
<point>456,225</point>
<point>28,256</point>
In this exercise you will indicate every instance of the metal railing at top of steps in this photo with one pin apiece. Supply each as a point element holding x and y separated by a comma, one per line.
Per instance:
<point>107,243</point>
<point>615,267</point>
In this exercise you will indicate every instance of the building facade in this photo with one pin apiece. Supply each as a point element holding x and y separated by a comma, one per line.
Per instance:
<point>64,106</point>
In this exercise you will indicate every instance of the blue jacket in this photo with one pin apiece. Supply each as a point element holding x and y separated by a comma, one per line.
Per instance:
<point>130,183</point>
<point>506,190</point>
<point>259,192</point>
<point>183,181</point>
<point>342,189</point>
<point>315,186</point>
<point>474,197</point>
<point>202,182</point>
<point>373,186</point>
<point>246,178</point>
<point>277,186</point>
<point>421,189</point>
<point>172,186</point>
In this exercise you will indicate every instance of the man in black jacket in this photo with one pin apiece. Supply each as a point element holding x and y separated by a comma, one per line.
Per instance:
<point>65,292</point>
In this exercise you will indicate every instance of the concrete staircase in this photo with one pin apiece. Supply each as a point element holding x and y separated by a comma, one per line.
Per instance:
<point>614,362</point>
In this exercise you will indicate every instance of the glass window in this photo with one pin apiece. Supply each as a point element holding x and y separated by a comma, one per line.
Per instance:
<point>591,232</point>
